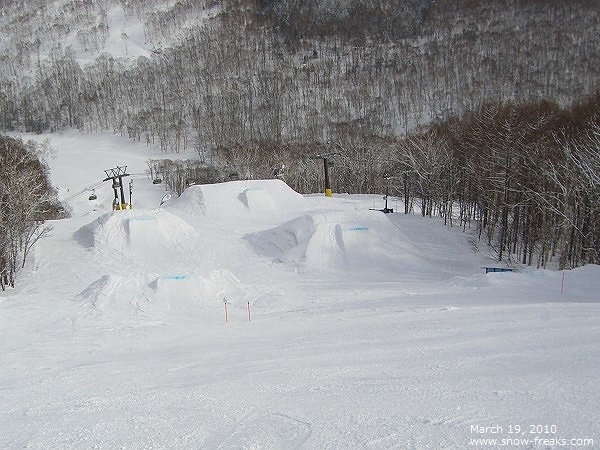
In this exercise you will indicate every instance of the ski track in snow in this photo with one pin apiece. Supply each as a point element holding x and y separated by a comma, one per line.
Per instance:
<point>367,330</point>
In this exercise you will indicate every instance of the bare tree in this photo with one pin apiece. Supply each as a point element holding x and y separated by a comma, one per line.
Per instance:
<point>27,200</point>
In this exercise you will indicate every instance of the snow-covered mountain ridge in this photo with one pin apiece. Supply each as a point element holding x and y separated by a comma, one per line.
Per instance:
<point>225,73</point>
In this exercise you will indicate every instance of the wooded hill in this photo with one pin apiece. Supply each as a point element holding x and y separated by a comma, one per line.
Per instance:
<point>488,105</point>
<point>299,72</point>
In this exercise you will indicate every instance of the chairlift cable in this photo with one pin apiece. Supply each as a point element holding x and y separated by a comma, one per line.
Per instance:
<point>95,185</point>
<point>77,194</point>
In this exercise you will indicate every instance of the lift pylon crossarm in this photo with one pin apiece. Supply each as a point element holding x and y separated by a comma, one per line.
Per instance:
<point>117,172</point>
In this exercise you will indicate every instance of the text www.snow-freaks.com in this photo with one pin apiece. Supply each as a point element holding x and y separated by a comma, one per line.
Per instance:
<point>534,442</point>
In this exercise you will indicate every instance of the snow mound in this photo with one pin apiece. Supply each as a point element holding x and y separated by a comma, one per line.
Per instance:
<point>286,242</point>
<point>165,298</point>
<point>237,199</point>
<point>100,293</point>
<point>330,241</point>
<point>155,265</point>
<point>362,242</point>
<point>120,296</point>
<point>152,238</point>
<point>214,286</point>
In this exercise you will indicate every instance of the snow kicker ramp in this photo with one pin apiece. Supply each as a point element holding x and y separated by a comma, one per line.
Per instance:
<point>137,238</point>
<point>364,242</point>
<point>328,242</point>
<point>152,264</point>
<point>254,200</point>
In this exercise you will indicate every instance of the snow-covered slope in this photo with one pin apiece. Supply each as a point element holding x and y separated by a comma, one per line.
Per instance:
<point>346,328</point>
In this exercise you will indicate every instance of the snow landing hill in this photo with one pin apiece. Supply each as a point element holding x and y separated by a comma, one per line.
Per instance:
<point>346,328</point>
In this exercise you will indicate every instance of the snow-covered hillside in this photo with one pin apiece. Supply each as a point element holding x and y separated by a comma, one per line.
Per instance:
<point>346,328</point>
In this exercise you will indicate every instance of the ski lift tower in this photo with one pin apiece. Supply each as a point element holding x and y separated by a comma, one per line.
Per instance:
<point>386,210</point>
<point>327,163</point>
<point>116,175</point>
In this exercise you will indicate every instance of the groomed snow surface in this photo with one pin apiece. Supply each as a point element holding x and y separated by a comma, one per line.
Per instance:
<point>346,328</point>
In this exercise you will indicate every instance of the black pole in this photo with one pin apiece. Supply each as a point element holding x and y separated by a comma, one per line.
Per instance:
<point>326,157</point>
<point>387,179</point>
<point>130,192</point>
<point>116,199</point>
<point>122,193</point>
<point>328,192</point>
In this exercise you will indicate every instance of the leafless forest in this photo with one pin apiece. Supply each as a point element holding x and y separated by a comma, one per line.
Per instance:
<point>483,112</point>
<point>27,200</point>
